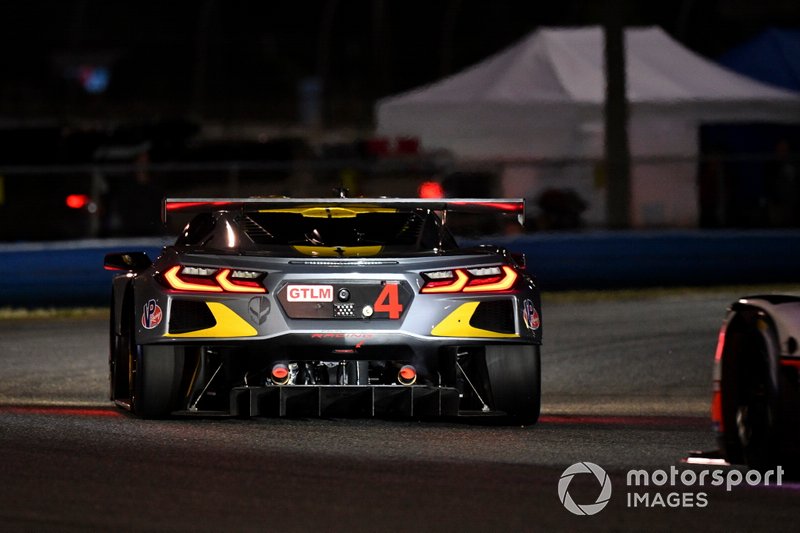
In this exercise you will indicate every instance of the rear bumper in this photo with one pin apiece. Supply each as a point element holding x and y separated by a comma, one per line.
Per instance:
<point>344,400</point>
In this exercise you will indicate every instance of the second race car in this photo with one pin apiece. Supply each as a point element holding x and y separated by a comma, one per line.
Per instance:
<point>756,395</point>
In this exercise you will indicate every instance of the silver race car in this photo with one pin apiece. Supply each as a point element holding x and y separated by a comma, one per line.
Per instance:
<point>326,307</point>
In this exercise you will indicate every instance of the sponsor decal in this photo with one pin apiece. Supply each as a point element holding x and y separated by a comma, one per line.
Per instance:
<point>530,315</point>
<point>342,335</point>
<point>309,293</point>
<point>151,315</point>
<point>362,338</point>
<point>259,309</point>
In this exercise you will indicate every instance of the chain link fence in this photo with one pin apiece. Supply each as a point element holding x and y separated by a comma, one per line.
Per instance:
<point>111,200</point>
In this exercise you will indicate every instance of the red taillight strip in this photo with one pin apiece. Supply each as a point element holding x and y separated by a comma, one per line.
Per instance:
<point>503,284</point>
<point>230,286</point>
<point>465,283</point>
<point>177,206</point>
<point>459,283</point>
<point>177,283</point>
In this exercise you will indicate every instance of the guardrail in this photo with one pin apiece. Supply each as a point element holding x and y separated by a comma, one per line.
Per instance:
<point>71,273</point>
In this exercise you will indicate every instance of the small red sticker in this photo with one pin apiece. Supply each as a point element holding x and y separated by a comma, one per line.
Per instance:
<point>151,315</point>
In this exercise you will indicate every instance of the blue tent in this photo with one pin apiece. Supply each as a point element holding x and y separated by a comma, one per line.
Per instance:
<point>772,57</point>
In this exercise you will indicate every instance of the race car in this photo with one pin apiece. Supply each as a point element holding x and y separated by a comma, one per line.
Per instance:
<point>326,307</point>
<point>755,407</point>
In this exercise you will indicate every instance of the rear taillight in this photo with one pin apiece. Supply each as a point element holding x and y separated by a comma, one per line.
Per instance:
<point>199,279</point>
<point>483,279</point>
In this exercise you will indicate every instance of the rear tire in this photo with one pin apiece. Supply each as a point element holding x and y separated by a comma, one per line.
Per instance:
<point>156,380</point>
<point>514,373</point>
<point>750,401</point>
<point>119,356</point>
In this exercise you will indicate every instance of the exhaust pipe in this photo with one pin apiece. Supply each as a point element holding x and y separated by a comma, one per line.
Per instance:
<point>407,375</point>
<point>280,374</point>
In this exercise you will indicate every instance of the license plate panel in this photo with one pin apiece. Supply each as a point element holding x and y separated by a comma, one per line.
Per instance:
<point>378,300</point>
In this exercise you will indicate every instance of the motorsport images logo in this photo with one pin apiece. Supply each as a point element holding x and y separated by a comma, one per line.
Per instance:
<point>588,508</point>
<point>672,488</point>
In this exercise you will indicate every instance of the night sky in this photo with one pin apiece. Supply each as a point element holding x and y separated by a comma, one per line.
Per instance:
<point>246,59</point>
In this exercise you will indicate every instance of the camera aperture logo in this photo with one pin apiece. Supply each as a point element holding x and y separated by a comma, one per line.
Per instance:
<point>663,488</point>
<point>587,508</point>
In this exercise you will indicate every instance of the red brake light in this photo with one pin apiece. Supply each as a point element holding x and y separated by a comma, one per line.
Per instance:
<point>491,279</point>
<point>236,285</point>
<point>197,279</point>
<point>502,282</point>
<point>453,284</point>
<point>201,285</point>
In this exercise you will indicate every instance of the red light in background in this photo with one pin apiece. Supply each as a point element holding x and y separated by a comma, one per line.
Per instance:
<point>77,201</point>
<point>430,189</point>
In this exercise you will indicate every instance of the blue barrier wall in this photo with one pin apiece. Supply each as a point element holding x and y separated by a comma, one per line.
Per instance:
<point>71,273</point>
<point>62,274</point>
<point>647,259</point>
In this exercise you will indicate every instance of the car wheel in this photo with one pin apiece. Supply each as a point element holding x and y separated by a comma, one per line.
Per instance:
<point>515,381</point>
<point>749,403</point>
<point>155,376</point>
<point>118,359</point>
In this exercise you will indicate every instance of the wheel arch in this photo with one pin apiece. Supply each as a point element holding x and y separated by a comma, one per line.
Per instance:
<point>746,319</point>
<point>747,329</point>
<point>121,301</point>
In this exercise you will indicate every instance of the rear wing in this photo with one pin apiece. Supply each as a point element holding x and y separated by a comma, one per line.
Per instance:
<point>506,206</point>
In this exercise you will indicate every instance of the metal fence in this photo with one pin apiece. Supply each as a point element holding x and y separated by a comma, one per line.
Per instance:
<point>58,202</point>
<point>124,199</point>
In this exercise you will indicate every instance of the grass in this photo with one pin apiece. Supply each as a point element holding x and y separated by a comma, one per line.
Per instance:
<point>11,313</point>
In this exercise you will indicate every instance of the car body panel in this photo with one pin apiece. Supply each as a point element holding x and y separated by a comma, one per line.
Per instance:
<point>234,287</point>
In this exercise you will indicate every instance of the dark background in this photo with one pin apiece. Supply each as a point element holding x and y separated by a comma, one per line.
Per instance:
<point>246,59</point>
<point>122,103</point>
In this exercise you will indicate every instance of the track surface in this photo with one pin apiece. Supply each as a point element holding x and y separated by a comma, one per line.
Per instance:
<point>626,385</point>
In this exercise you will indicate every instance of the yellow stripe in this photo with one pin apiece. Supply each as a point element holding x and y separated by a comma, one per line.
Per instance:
<point>331,212</point>
<point>229,325</point>
<point>456,324</point>
<point>339,251</point>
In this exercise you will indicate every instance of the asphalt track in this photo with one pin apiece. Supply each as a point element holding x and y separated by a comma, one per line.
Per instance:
<point>625,386</point>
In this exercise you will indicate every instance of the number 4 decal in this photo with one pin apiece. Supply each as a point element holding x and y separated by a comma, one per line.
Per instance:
<point>389,301</point>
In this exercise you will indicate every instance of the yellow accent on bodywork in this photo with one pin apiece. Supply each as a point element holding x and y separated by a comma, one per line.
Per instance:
<point>331,212</point>
<point>456,324</point>
<point>229,325</point>
<point>339,251</point>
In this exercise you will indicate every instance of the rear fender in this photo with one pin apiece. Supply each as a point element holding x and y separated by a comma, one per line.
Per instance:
<point>748,314</point>
<point>121,300</point>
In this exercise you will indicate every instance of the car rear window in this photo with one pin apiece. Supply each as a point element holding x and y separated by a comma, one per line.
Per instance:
<point>400,230</point>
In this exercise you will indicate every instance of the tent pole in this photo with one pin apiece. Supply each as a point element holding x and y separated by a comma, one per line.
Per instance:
<point>617,152</point>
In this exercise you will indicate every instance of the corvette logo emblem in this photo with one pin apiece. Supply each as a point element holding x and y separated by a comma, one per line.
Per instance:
<point>151,315</point>
<point>259,309</point>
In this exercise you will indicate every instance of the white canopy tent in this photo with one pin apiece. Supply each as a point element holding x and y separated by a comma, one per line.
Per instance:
<point>543,98</point>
